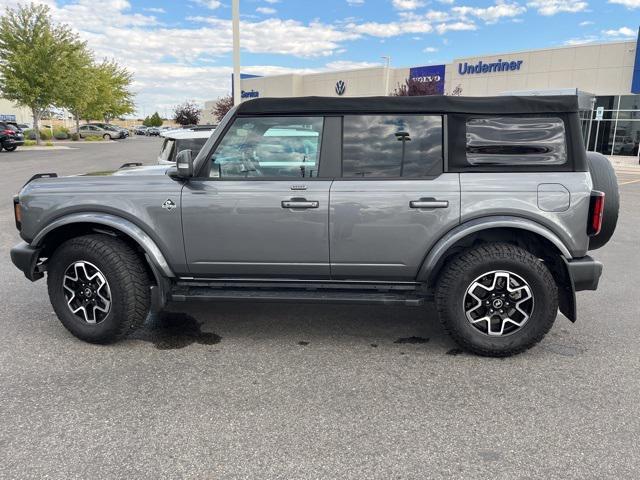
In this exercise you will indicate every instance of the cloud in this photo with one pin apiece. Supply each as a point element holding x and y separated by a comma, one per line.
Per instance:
<point>551,7</point>
<point>491,14</point>
<point>407,4</point>
<point>455,26</point>
<point>391,29</point>
<point>627,3</point>
<point>355,3</point>
<point>266,10</point>
<point>155,10</point>
<point>586,23</point>
<point>430,50</point>
<point>622,32</point>
<point>210,4</point>
<point>348,65</point>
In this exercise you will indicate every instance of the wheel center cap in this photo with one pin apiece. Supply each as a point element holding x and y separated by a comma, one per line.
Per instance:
<point>88,292</point>
<point>497,303</point>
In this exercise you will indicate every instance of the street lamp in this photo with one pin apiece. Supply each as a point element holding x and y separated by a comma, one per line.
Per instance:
<point>235,20</point>
<point>403,137</point>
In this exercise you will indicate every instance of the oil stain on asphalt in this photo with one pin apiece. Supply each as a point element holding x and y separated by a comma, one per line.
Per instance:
<point>172,330</point>
<point>411,340</point>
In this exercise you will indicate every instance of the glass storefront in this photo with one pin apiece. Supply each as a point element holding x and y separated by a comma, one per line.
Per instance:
<point>618,133</point>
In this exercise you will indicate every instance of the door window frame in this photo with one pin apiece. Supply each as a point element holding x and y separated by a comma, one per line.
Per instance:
<point>324,152</point>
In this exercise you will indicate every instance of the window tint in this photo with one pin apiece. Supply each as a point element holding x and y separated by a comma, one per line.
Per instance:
<point>269,147</point>
<point>392,146</point>
<point>516,141</point>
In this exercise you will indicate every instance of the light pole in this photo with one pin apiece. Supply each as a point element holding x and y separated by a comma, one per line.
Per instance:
<point>386,75</point>
<point>235,14</point>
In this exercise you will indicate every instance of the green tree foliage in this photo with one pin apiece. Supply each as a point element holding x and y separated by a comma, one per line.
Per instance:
<point>153,121</point>
<point>187,114</point>
<point>34,58</point>
<point>111,97</point>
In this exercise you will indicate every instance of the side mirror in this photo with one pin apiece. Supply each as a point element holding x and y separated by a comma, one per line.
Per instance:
<point>184,163</point>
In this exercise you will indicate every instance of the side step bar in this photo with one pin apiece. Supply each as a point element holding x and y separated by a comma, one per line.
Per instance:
<point>183,293</point>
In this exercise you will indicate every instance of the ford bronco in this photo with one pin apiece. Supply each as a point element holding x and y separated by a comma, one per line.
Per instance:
<point>485,206</point>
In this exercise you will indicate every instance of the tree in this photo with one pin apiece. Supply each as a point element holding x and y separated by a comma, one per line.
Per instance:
<point>187,113</point>
<point>222,106</point>
<point>416,88</point>
<point>35,57</point>
<point>79,89</point>
<point>153,121</point>
<point>111,97</point>
<point>456,92</point>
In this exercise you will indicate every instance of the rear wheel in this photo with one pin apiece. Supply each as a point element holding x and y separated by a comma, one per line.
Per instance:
<point>11,148</point>
<point>496,300</point>
<point>98,287</point>
<point>106,136</point>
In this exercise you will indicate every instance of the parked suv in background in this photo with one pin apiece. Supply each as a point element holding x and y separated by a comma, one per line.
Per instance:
<point>11,137</point>
<point>488,206</point>
<point>177,140</point>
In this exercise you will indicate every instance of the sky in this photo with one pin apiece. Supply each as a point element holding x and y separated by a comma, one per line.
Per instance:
<point>181,50</point>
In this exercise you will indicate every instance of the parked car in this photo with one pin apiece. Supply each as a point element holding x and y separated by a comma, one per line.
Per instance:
<point>487,206</point>
<point>107,133</point>
<point>178,140</point>
<point>11,136</point>
<point>140,130</point>
<point>110,127</point>
<point>152,132</point>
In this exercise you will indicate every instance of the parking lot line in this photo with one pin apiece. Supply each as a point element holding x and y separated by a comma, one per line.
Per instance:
<point>630,181</point>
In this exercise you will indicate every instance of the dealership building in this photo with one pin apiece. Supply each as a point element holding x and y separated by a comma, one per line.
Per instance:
<point>606,77</point>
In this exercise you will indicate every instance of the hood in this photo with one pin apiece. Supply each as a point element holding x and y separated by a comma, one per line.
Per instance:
<point>142,170</point>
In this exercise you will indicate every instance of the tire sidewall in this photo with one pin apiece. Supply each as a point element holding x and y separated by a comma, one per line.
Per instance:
<point>543,312</point>
<point>110,325</point>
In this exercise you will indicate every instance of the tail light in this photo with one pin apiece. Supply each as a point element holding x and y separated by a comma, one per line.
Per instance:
<point>596,210</point>
<point>17,212</point>
<point>7,132</point>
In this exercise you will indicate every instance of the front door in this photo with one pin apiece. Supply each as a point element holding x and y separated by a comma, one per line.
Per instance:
<point>393,201</point>
<point>262,211</point>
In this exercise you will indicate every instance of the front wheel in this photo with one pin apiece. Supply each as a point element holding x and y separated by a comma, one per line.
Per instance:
<point>98,287</point>
<point>496,299</point>
<point>106,136</point>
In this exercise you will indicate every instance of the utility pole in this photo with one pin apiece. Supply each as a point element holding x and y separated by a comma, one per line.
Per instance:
<point>235,13</point>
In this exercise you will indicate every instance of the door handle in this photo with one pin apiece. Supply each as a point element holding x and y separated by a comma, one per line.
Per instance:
<point>428,203</point>
<point>302,203</point>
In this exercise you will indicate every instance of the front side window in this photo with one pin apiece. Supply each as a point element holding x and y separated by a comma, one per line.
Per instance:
<point>392,146</point>
<point>165,153</point>
<point>269,147</point>
<point>516,141</point>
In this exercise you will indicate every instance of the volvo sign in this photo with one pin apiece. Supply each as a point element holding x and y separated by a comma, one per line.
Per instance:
<point>429,74</point>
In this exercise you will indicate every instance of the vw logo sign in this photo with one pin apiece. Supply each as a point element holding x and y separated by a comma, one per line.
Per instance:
<point>340,87</point>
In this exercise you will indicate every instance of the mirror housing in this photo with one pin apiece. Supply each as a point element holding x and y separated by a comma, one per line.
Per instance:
<point>184,164</point>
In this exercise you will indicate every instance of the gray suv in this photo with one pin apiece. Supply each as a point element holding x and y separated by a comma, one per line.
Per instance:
<point>486,206</point>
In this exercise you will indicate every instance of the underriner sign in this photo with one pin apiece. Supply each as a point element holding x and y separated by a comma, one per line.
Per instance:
<point>482,67</point>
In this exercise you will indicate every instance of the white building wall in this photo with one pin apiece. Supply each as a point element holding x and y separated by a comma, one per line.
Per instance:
<point>23,115</point>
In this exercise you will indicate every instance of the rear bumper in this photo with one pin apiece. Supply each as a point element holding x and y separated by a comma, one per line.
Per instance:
<point>13,142</point>
<point>585,273</point>
<point>25,257</point>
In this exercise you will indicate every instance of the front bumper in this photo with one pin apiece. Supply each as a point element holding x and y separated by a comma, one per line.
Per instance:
<point>584,273</point>
<point>25,257</point>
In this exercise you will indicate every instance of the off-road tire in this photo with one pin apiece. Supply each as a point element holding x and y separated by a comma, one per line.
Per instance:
<point>604,179</point>
<point>460,272</point>
<point>128,282</point>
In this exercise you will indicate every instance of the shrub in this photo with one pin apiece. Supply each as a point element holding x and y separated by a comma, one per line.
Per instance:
<point>29,143</point>
<point>75,137</point>
<point>93,138</point>
<point>45,134</point>
<point>60,133</point>
<point>49,144</point>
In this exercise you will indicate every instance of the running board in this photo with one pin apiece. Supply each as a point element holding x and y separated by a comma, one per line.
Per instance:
<point>184,293</point>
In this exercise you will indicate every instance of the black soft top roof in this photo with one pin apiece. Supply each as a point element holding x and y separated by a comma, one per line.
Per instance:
<point>426,104</point>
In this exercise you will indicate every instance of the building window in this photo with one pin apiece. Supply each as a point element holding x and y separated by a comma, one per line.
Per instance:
<point>378,146</point>
<point>269,147</point>
<point>516,141</point>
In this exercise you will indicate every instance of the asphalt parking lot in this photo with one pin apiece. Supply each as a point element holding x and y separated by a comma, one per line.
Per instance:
<point>286,391</point>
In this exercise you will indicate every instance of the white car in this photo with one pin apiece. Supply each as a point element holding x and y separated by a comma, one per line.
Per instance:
<point>177,140</point>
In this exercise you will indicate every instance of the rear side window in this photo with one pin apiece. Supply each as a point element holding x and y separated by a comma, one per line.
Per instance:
<point>401,146</point>
<point>515,141</point>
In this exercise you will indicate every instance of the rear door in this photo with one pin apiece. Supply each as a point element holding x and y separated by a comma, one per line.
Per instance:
<point>393,201</point>
<point>262,211</point>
